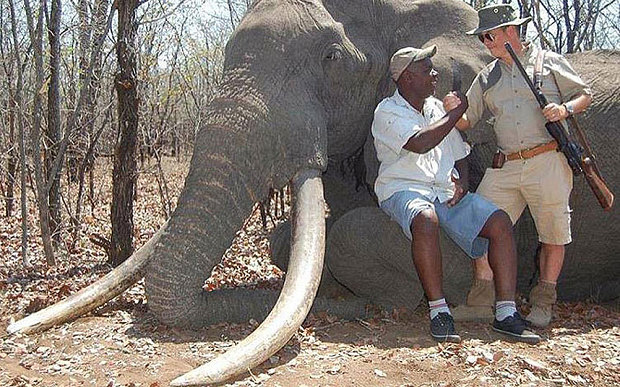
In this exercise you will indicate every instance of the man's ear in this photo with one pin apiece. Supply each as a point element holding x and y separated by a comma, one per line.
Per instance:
<point>513,32</point>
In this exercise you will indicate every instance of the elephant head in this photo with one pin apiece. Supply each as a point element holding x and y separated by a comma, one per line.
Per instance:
<point>301,80</point>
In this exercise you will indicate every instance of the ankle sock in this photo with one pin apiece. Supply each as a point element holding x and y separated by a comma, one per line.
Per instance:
<point>504,309</point>
<point>438,306</point>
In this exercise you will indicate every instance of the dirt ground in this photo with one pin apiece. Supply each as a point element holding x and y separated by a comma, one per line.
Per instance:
<point>122,344</point>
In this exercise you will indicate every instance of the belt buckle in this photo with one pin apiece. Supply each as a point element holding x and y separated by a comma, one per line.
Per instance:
<point>520,153</point>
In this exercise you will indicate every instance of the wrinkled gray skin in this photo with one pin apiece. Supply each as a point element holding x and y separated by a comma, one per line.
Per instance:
<point>301,81</point>
<point>358,249</point>
<point>370,256</point>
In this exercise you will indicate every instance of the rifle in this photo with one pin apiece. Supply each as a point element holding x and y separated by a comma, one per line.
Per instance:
<point>579,161</point>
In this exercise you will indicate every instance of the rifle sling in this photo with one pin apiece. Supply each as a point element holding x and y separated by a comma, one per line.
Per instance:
<point>538,67</point>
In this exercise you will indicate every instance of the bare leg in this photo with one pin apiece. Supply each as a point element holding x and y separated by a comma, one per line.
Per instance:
<point>502,256</point>
<point>426,253</point>
<point>551,261</point>
<point>482,269</point>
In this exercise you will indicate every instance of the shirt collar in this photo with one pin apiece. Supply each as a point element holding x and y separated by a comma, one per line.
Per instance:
<point>529,49</point>
<point>401,101</point>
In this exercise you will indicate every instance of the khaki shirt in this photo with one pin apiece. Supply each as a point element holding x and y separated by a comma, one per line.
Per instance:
<point>519,122</point>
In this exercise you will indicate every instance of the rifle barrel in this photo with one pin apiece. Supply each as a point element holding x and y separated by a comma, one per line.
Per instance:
<point>540,98</point>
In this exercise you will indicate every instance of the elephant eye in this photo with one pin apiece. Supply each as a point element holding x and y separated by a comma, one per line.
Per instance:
<point>333,53</point>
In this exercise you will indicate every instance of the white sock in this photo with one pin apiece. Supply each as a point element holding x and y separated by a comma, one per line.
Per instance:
<point>504,309</point>
<point>438,306</point>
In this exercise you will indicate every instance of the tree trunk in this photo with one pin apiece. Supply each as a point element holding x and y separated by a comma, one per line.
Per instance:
<point>98,24</point>
<point>53,120</point>
<point>80,141</point>
<point>36,37</point>
<point>13,158</point>
<point>17,103</point>
<point>11,108</point>
<point>124,174</point>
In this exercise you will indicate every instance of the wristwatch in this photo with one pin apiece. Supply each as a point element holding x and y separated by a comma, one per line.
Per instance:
<point>569,109</point>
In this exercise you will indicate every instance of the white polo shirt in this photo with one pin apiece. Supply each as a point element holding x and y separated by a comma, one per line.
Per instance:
<point>401,170</point>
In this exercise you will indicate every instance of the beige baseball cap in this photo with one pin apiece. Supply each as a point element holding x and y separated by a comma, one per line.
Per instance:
<point>405,56</point>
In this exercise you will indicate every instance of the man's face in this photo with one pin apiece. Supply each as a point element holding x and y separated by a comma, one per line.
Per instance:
<point>494,41</point>
<point>422,78</point>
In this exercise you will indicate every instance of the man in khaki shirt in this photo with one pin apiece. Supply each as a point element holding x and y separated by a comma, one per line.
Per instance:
<point>534,174</point>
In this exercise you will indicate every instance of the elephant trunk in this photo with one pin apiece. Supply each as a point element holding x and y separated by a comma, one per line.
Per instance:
<point>211,209</point>
<point>302,280</point>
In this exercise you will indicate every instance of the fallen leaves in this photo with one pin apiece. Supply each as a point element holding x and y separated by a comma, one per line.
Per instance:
<point>380,373</point>
<point>582,346</point>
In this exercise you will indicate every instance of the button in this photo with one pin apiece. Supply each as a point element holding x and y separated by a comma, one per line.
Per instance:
<point>517,106</point>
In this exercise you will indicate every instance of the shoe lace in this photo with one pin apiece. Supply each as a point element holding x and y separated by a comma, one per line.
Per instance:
<point>444,319</point>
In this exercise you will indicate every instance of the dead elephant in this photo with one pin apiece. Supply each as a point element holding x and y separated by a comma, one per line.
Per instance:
<point>301,80</point>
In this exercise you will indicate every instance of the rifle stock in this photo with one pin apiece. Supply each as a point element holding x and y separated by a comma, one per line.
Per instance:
<point>579,162</point>
<point>598,186</point>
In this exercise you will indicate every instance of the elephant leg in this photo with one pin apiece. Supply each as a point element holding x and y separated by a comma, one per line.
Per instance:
<point>280,251</point>
<point>342,194</point>
<point>370,255</point>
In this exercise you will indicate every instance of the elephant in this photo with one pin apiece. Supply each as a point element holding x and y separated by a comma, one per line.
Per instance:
<point>301,80</point>
<point>591,264</point>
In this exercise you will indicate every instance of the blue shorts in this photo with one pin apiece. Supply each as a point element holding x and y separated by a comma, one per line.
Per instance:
<point>462,222</point>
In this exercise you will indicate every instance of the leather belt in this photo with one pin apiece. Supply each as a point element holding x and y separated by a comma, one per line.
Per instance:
<point>531,152</point>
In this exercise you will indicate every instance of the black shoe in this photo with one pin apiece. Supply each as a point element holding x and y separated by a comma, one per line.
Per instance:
<point>442,328</point>
<point>516,327</point>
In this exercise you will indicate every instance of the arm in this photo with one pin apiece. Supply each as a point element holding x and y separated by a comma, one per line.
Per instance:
<point>450,102</point>
<point>429,137</point>
<point>570,84</point>
<point>464,123</point>
<point>462,166</point>
<point>461,185</point>
<point>554,112</point>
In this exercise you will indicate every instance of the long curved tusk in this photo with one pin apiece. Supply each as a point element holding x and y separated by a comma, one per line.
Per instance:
<point>302,280</point>
<point>89,298</point>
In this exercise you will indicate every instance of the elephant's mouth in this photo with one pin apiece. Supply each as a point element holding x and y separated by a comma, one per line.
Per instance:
<point>302,280</point>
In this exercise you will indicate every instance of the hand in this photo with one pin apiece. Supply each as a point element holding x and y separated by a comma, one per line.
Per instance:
<point>451,101</point>
<point>463,105</point>
<point>554,112</point>
<point>460,190</point>
<point>455,100</point>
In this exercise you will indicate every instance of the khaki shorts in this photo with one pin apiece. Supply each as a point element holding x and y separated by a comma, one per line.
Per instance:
<point>543,183</point>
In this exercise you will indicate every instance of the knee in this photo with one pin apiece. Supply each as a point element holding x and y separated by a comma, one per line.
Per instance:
<point>500,224</point>
<point>426,222</point>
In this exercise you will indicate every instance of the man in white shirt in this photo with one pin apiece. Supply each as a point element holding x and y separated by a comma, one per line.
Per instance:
<point>422,185</point>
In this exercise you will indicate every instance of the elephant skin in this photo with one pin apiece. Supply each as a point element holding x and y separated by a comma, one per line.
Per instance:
<point>591,269</point>
<point>300,83</point>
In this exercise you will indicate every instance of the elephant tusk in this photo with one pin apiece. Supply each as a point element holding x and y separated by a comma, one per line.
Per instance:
<point>89,298</point>
<point>302,281</point>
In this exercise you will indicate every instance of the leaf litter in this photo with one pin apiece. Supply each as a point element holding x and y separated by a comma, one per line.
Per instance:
<point>122,344</point>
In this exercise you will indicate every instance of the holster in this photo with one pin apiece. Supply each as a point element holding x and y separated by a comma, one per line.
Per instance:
<point>498,160</point>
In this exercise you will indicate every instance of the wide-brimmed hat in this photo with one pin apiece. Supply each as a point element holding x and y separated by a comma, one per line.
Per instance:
<point>495,16</point>
<point>405,56</point>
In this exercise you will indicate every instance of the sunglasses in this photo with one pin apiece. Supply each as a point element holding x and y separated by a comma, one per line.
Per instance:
<point>488,36</point>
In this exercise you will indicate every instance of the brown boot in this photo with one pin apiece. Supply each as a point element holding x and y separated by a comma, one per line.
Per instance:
<point>479,304</point>
<point>542,297</point>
